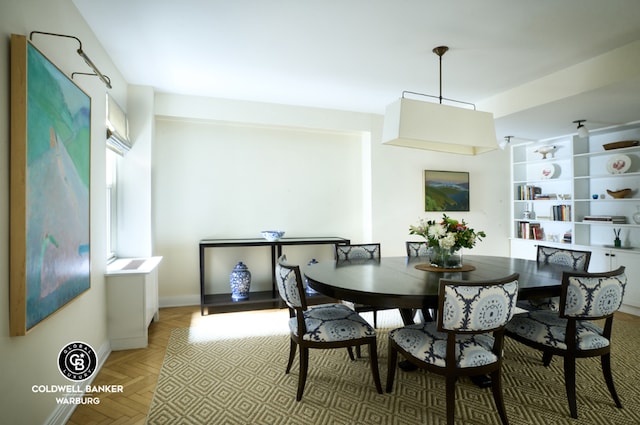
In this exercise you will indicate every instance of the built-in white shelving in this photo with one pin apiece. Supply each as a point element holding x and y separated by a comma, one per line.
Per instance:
<point>560,185</point>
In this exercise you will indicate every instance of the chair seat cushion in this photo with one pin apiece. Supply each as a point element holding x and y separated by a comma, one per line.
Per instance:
<point>548,328</point>
<point>424,342</point>
<point>331,323</point>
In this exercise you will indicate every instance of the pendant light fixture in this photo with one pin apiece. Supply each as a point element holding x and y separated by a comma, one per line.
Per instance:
<point>433,126</point>
<point>582,130</point>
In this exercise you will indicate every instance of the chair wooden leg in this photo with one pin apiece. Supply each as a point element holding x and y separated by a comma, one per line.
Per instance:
<point>358,351</point>
<point>392,360</point>
<point>350,351</point>
<point>373,358</point>
<point>496,388</point>
<point>375,319</point>
<point>546,358</point>
<point>302,377</point>
<point>570,384</point>
<point>450,392</point>
<point>407,316</point>
<point>605,361</point>
<point>292,355</point>
<point>428,315</point>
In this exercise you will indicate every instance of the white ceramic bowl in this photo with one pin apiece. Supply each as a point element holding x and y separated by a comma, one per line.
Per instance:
<point>272,235</point>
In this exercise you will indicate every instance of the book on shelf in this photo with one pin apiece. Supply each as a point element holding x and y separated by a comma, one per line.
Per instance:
<point>528,192</point>
<point>536,232</point>
<point>545,196</point>
<point>529,230</point>
<point>561,212</point>
<point>617,219</point>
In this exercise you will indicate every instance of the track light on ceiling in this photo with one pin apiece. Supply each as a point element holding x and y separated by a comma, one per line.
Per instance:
<point>82,54</point>
<point>582,130</point>
<point>505,142</point>
<point>433,126</point>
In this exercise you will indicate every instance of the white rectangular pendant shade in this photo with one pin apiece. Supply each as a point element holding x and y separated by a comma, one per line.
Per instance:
<point>433,126</point>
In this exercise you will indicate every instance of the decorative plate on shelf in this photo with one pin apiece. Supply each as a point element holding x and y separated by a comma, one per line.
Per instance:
<point>548,171</point>
<point>618,164</point>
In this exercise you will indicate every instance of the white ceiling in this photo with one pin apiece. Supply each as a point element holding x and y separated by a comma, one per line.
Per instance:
<point>359,55</point>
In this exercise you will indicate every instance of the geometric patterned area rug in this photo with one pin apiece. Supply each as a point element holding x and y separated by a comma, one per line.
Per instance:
<point>212,376</point>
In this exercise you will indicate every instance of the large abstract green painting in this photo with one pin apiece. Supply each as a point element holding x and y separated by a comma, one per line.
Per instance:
<point>56,157</point>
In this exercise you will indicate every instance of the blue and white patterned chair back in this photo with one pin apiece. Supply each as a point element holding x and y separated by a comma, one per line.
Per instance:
<point>578,260</point>
<point>477,307</point>
<point>357,252</point>
<point>417,249</point>
<point>289,285</point>
<point>592,295</point>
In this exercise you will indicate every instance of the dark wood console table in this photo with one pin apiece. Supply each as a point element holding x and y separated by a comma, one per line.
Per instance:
<point>257,299</point>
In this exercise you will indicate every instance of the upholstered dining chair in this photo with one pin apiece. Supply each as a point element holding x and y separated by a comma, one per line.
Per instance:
<point>570,332</point>
<point>420,249</point>
<point>578,260</point>
<point>416,249</point>
<point>322,326</point>
<point>366,251</point>
<point>466,339</point>
<point>359,252</point>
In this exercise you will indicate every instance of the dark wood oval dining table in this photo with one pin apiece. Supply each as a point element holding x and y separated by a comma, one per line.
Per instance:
<point>395,282</point>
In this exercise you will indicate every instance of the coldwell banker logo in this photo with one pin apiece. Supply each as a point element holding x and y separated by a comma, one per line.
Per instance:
<point>77,361</point>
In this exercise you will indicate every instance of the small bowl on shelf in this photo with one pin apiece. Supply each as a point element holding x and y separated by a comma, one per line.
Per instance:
<point>272,235</point>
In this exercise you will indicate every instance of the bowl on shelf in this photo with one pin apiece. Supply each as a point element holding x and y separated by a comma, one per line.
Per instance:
<point>619,194</point>
<point>620,145</point>
<point>272,235</point>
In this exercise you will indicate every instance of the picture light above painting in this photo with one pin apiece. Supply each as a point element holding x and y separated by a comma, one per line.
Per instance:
<point>446,191</point>
<point>96,72</point>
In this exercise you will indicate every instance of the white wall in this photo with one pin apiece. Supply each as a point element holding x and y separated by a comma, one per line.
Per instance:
<point>31,360</point>
<point>222,180</point>
<point>398,195</point>
<point>232,165</point>
<point>134,193</point>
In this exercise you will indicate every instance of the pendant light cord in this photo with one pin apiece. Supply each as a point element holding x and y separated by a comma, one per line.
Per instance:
<point>440,50</point>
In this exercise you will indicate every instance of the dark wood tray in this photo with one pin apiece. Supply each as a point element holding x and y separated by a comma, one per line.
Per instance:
<point>621,144</point>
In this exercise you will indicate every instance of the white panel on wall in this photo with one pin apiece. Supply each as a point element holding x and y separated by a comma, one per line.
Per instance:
<point>220,180</point>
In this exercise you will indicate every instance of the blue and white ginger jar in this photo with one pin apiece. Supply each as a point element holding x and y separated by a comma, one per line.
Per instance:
<point>240,281</point>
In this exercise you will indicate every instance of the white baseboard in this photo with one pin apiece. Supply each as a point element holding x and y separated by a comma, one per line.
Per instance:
<point>182,301</point>
<point>630,309</point>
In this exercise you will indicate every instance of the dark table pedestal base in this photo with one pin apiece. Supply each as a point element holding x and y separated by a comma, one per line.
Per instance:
<point>481,381</point>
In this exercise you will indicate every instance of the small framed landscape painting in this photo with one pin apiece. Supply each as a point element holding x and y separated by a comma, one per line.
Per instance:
<point>446,190</point>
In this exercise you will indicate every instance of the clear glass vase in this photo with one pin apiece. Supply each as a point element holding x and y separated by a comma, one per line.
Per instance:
<point>446,258</point>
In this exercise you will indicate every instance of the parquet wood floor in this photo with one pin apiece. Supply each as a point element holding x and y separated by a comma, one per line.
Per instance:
<point>138,371</point>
